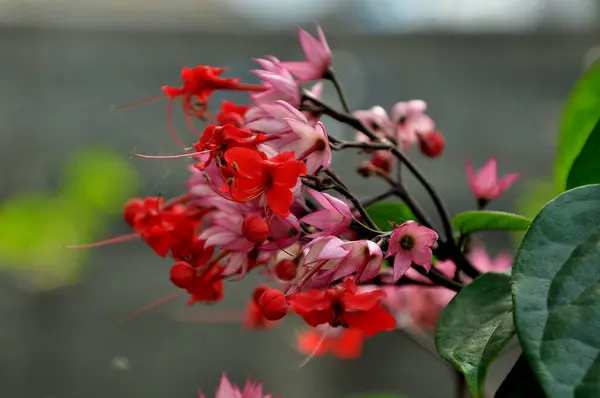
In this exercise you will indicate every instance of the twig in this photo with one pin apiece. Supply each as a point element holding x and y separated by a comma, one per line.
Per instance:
<point>331,76</point>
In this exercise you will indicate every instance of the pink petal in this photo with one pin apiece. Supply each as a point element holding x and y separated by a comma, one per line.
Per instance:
<point>505,182</point>
<point>402,263</point>
<point>225,389</point>
<point>323,219</point>
<point>422,256</point>
<point>304,71</point>
<point>325,50</point>
<point>502,262</point>
<point>487,175</point>
<point>471,178</point>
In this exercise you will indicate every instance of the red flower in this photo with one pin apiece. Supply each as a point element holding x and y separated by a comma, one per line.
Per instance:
<point>255,175</point>
<point>218,139</point>
<point>343,343</point>
<point>341,305</point>
<point>208,288</point>
<point>231,113</point>
<point>199,83</point>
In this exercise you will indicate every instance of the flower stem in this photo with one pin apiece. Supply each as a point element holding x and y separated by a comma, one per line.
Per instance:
<point>331,76</point>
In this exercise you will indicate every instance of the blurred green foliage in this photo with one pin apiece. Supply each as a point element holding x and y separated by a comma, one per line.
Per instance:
<point>35,226</point>
<point>536,194</point>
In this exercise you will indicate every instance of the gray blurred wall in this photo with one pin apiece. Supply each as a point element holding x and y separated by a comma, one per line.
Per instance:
<point>489,94</point>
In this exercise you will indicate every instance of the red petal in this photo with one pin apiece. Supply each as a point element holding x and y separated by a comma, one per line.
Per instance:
<point>316,318</point>
<point>280,200</point>
<point>371,322</point>
<point>303,303</point>
<point>247,162</point>
<point>282,157</point>
<point>311,342</point>
<point>348,344</point>
<point>362,302</point>
<point>286,174</point>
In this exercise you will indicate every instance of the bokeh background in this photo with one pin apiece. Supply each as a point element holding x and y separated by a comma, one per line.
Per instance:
<point>493,72</point>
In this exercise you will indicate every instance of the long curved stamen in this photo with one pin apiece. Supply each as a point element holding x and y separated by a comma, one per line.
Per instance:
<point>306,277</point>
<point>110,241</point>
<point>181,155</point>
<point>153,305</point>
<point>139,102</point>
<point>170,123</point>
<point>314,352</point>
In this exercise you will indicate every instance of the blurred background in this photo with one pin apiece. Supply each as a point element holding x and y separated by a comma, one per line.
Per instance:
<point>494,74</point>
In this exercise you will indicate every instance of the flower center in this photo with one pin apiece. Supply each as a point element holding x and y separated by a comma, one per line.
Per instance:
<point>407,242</point>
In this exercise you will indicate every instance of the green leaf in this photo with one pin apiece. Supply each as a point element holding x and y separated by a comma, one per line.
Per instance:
<point>384,213</point>
<point>580,115</point>
<point>473,221</point>
<point>100,180</point>
<point>475,327</point>
<point>586,168</point>
<point>556,293</point>
<point>520,382</point>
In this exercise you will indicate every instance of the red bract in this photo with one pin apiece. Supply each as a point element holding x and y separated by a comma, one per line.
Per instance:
<point>432,144</point>
<point>255,175</point>
<point>231,113</point>
<point>341,305</point>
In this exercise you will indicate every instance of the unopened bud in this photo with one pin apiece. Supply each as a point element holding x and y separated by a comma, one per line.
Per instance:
<point>273,304</point>
<point>286,270</point>
<point>255,229</point>
<point>182,274</point>
<point>432,144</point>
<point>132,209</point>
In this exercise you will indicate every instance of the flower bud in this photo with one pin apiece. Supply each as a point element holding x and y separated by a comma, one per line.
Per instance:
<point>182,274</point>
<point>432,144</point>
<point>132,209</point>
<point>255,229</point>
<point>273,304</point>
<point>286,269</point>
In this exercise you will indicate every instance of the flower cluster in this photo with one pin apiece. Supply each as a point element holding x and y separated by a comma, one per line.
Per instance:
<point>257,202</point>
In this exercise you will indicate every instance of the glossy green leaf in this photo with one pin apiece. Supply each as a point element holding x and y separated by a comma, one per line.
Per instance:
<point>384,213</point>
<point>586,168</point>
<point>473,221</point>
<point>520,382</point>
<point>100,180</point>
<point>580,115</point>
<point>475,327</point>
<point>556,293</point>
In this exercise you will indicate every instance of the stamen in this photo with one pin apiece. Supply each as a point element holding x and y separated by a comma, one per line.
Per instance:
<point>110,241</point>
<point>181,155</point>
<point>139,102</point>
<point>314,352</point>
<point>153,305</point>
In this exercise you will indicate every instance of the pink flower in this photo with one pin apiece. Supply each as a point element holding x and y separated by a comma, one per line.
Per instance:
<point>365,259</point>
<point>481,260</point>
<point>334,219</point>
<point>316,92</point>
<point>411,243</point>
<point>322,257</point>
<point>410,121</point>
<point>318,57</point>
<point>227,390</point>
<point>280,82</point>
<point>268,118</point>
<point>312,145</point>
<point>485,184</point>
<point>377,120</point>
